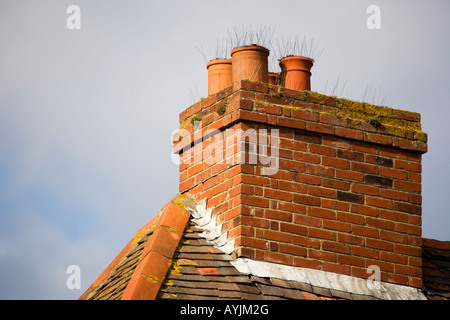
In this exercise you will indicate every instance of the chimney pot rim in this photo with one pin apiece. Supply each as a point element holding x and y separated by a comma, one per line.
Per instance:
<point>254,47</point>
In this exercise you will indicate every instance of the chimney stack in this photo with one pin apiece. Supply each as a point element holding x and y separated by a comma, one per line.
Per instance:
<point>345,194</point>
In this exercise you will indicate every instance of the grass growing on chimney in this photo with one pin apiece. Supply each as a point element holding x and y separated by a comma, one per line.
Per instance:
<point>222,108</point>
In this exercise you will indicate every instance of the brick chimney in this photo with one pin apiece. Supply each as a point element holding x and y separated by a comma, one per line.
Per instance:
<point>303,179</point>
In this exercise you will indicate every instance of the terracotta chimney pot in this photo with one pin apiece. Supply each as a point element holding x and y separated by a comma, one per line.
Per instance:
<point>296,72</point>
<point>219,75</point>
<point>250,63</point>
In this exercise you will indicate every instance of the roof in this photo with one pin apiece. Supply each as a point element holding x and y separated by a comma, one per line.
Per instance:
<point>171,258</point>
<point>436,268</point>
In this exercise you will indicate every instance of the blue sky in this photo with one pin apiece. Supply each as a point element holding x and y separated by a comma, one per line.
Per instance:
<point>86,115</point>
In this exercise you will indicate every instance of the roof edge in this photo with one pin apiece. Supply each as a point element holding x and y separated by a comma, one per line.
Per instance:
<point>113,264</point>
<point>157,255</point>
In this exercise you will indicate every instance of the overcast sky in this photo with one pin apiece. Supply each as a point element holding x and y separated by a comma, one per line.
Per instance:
<point>86,115</point>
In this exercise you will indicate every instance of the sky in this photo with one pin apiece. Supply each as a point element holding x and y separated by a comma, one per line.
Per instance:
<point>86,115</point>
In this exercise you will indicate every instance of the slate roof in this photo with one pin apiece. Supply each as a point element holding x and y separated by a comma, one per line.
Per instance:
<point>436,269</point>
<point>169,259</point>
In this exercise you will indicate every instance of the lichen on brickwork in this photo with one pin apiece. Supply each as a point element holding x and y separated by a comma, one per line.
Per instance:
<point>392,121</point>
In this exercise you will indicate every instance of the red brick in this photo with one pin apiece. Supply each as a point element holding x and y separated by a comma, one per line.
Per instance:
<point>305,115</point>
<point>291,207</point>
<point>393,236</point>
<point>364,167</point>
<point>393,215</point>
<point>307,263</point>
<point>365,231</point>
<point>293,228</point>
<point>415,198</point>
<point>336,225</point>
<point>408,270</point>
<point>321,233</point>
<point>277,236</point>
<point>306,157</point>
<point>349,217</point>
<point>395,278</point>
<point>278,258</point>
<point>322,213</point>
<point>251,242</point>
<point>393,173</point>
<point>364,252</point>
<point>380,244</point>
<point>308,137</point>
<point>255,201</point>
<point>380,223</point>
<point>351,239</point>
<point>307,178</point>
<point>394,195</point>
<point>322,255</point>
<point>292,144</point>
<point>322,192</point>
<point>320,149</point>
<point>365,147</point>
<point>379,202</point>
<point>359,272</point>
<point>336,268</point>
<point>349,133</point>
<point>408,208</point>
<point>291,165</point>
<point>336,205</point>
<point>331,119</point>
<point>278,215</point>
<point>350,260</point>
<point>335,184</point>
<point>319,127</point>
<point>415,282</point>
<point>393,257</point>
<point>305,199</point>
<point>409,250</point>
<point>307,220</point>
<point>350,155</point>
<point>292,186</point>
<point>292,249</point>
<point>291,123</point>
<point>251,221</point>
<point>278,194</point>
<point>338,143</point>
<point>384,266</point>
<point>408,228</point>
<point>320,170</point>
<point>365,189</point>
<point>335,162</point>
<point>408,165</point>
<point>415,220</point>
<point>408,186</point>
<point>412,176</point>
<point>350,175</point>
<point>336,247</point>
<point>364,210</point>
<point>378,138</point>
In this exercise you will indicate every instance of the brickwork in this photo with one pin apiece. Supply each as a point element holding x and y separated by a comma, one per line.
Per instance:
<point>344,192</point>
